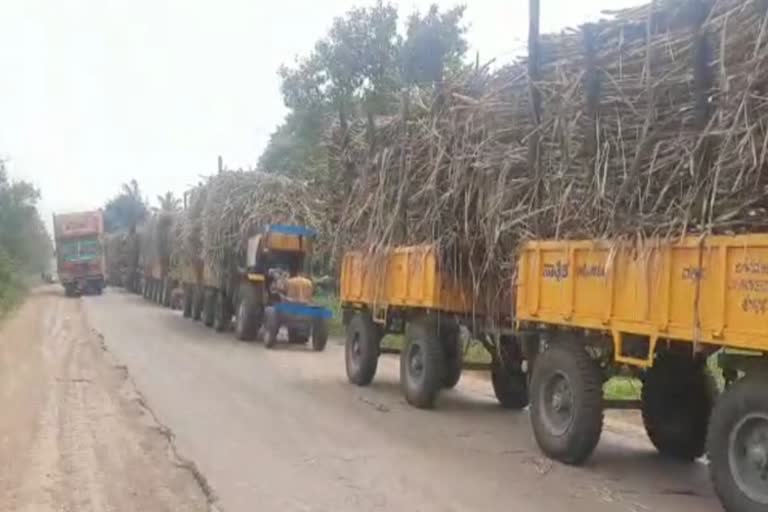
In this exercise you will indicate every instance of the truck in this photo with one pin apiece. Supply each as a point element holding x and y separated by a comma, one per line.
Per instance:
<point>80,259</point>
<point>261,289</point>
<point>155,257</point>
<point>665,312</point>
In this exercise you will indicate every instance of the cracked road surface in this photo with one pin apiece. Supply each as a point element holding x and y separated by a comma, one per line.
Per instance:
<point>282,430</point>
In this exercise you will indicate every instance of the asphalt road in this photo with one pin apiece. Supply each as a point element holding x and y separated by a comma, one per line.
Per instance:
<point>282,430</point>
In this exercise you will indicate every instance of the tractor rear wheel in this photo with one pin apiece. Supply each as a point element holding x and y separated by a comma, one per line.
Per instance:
<point>271,327</point>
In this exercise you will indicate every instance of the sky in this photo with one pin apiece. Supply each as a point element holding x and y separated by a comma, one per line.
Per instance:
<point>94,93</point>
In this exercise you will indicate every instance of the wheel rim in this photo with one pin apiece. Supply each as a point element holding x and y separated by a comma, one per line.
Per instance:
<point>415,362</point>
<point>241,317</point>
<point>557,404</point>
<point>355,349</point>
<point>748,456</point>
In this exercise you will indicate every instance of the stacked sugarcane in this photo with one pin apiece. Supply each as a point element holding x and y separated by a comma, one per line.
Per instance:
<point>649,123</point>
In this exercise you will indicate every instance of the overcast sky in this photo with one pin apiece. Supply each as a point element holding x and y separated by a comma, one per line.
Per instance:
<point>96,92</point>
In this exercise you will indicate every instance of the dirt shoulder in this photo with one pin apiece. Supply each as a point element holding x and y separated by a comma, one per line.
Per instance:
<point>78,434</point>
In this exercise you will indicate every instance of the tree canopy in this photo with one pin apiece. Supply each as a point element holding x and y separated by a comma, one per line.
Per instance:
<point>356,72</point>
<point>23,237</point>
<point>126,210</point>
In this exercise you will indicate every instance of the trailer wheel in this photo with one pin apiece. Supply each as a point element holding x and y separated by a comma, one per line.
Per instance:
<point>319,334</point>
<point>198,301</point>
<point>677,398</point>
<point>510,382</point>
<point>222,318</point>
<point>209,303</point>
<point>361,349</point>
<point>187,304</point>
<point>567,402</point>
<point>422,364</point>
<point>248,320</point>
<point>453,350</point>
<point>738,446</point>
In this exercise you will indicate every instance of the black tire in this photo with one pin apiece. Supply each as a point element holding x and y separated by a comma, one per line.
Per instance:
<point>567,402</point>
<point>677,399</point>
<point>319,334</point>
<point>209,307</point>
<point>222,318</point>
<point>198,301</point>
<point>188,300</point>
<point>738,481</point>
<point>510,382</point>
<point>271,326</point>
<point>249,318</point>
<point>450,336</point>
<point>361,349</point>
<point>422,364</point>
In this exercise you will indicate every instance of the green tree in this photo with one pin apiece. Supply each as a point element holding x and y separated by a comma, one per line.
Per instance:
<point>356,71</point>
<point>126,210</point>
<point>25,246</point>
<point>169,202</point>
<point>434,43</point>
<point>355,64</point>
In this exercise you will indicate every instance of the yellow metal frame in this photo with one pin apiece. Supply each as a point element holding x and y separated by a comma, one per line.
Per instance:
<point>401,277</point>
<point>701,289</point>
<point>285,242</point>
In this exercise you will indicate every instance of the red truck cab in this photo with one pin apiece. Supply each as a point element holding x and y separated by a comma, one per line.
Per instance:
<point>80,251</point>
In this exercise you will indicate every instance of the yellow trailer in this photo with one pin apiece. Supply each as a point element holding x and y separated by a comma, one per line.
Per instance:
<point>660,309</point>
<point>404,291</point>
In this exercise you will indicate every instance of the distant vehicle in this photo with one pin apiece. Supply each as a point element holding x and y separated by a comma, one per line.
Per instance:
<point>80,252</point>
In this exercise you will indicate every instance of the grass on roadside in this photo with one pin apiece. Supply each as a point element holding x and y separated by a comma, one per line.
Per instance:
<point>12,285</point>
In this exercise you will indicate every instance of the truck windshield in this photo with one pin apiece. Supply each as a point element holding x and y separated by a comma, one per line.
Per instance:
<point>80,250</point>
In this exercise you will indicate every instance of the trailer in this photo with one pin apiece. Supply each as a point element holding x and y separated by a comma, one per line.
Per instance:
<point>662,310</point>
<point>667,313</point>
<point>403,291</point>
